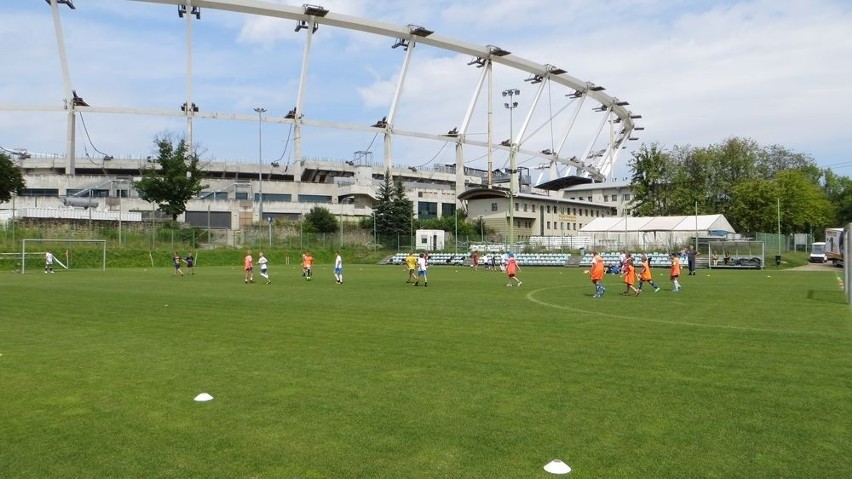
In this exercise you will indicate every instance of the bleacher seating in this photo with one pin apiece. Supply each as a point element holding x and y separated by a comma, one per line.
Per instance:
<point>524,259</point>
<point>658,260</point>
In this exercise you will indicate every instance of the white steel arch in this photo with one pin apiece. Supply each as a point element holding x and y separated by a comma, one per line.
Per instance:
<point>595,162</point>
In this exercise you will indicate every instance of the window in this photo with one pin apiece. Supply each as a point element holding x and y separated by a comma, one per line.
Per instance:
<point>614,197</point>
<point>533,208</point>
<point>427,210</point>
<point>525,207</point>
<point>313,199</point>
<point>43,192</point>
<point>213,195</point>
<point>548,208</point>
<point>517,205</point>
<point>94,193</point>
<point>626,197</point>
<point>277,197</point>
<point>548,225</point>
<point>448,209</point>
<point>590,198</point>
<point>494,206</point>
<point>605,198</point>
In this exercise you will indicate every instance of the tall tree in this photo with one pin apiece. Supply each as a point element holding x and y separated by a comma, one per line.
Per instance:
<point>11,178</point>
<point>652,168</point>
<point>838,190</point>
<point>774,159</point>
<point>175,180</point>
<point>393,210</point>
<point>399,222</point>
<point>804,206</point>
<point>754,206</point>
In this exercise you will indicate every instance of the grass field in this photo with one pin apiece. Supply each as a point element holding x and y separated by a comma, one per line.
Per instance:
<point>742,374</point>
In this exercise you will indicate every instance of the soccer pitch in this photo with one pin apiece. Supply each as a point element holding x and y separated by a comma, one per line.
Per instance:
<point>741,374</point>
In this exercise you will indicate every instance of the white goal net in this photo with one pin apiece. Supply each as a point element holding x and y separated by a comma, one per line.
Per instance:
<point>67,254</point>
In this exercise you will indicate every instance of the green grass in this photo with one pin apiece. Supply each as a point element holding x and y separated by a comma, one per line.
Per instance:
<point>742,374</point>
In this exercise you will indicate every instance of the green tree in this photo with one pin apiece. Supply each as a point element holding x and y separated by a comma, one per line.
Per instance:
<point>651,181</point>
<point>774,159</point>
<point>175,180</point>
<point>804,205</point>
<point>11,178</point>
<point>754,206</point>
<point>321,220</point>
<point>838,190</point>
<point>394,214</point>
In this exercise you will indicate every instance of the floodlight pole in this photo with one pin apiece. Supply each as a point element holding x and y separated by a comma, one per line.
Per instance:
<point>456,215</point>
<point>260,111</point>
<point>511,105</point>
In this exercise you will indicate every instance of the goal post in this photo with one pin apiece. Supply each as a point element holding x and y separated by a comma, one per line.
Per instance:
<point>68,253</point>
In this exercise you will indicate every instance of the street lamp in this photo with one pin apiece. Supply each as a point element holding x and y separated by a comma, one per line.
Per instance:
<point>511,105</point>
<point>260,111</point>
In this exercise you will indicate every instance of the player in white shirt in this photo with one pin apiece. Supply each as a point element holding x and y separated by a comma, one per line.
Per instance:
<point>48,262</point>
<point>338,268</point>
<point>422,266</point>
<point>264,268</point>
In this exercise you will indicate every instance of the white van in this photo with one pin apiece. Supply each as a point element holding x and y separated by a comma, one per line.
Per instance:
<point>817,252</point>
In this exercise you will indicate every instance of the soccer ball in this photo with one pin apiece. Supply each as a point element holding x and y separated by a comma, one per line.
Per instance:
<point>308,278</point>
<point>585,271</point>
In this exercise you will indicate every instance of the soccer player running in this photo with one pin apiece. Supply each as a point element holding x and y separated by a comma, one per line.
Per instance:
<point>675,272</point>
<point>628,272</point>
<point>645,276</point>
<point>411,263</point>
<point>338,268</point>
<point>264,267</point>
<point>48,262</point>
<point>597,274</point>
<point>422,266</point>
<point>512,269</point>
<point>308,266</point>
<point>304,269</point>
<point>248,267</point>
<point>176,259</point>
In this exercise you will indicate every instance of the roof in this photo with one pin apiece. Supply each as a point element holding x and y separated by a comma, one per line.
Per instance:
<point>706,223</point>
<point>564,182</point>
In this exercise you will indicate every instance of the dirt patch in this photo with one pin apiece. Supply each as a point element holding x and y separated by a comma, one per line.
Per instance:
<point>817,267</point>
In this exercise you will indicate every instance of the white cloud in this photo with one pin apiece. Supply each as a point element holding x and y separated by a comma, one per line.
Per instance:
<point>697,72</point>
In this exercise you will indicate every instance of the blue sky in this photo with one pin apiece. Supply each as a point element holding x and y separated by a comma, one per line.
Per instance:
<point>776,71</point>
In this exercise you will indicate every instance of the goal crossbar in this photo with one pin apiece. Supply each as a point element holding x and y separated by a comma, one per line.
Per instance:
<point>34,241</point>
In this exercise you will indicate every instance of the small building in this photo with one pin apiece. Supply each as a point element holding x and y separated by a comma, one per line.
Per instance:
<point>429,240</point>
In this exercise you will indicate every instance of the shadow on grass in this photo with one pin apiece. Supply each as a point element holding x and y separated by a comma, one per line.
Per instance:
<point>825,296</point>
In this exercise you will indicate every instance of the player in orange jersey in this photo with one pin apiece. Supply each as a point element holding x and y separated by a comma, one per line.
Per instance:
<point>645,276</point>
<point>628,272</point>
<point>248,267</point>
<point>308,265</point>
<point>596,274</point>
<point>675,272</point>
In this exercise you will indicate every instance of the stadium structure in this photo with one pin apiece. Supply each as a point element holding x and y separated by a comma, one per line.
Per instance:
<point>573,129</point>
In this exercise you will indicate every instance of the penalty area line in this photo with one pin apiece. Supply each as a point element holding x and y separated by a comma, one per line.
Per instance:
<point>531,297</point>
